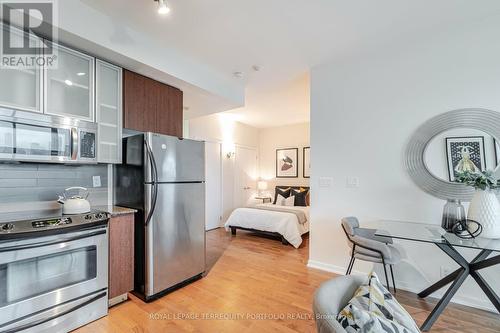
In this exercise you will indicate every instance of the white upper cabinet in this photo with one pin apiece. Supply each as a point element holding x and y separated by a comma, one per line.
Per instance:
<point>69,87</point>
<point>20,88</point>
<point>77,86</point>
<point>109,112</point>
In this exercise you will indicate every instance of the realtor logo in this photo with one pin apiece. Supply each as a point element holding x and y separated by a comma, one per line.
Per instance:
<point>27,28</point>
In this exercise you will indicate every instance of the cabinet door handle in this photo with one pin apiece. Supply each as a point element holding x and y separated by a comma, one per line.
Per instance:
<point>74,143</point>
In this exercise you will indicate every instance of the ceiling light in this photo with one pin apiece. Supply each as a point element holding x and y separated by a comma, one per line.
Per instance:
<point>80,74</point>
<point>68,82</point>
<point>163,7</point>
<point>238,75</point>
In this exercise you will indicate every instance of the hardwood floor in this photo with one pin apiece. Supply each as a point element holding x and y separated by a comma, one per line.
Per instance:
<point>259,285</point>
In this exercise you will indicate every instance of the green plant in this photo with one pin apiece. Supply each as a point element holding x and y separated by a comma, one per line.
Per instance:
<point>478,180</point>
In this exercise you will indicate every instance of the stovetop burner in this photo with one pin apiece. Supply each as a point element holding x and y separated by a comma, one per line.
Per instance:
<point>29,226</point>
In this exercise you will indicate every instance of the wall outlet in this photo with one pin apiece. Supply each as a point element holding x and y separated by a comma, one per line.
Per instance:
<point>325,181</point>
<point>352,182</point>
<point>96,181</point>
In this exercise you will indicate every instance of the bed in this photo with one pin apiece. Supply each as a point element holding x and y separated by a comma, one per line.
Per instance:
<point>288,223</point>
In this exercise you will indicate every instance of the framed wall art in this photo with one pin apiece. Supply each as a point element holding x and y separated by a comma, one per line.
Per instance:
<point>306,162</point>
<point>465,154</point>
<point>287,163</point>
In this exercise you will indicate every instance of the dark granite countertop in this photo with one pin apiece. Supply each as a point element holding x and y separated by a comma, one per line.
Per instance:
<point>115,210</point>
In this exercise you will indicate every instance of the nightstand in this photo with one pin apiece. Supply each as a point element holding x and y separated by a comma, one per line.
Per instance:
<point>265,199</point>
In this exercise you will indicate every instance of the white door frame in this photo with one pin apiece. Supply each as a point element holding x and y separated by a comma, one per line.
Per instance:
<point>223,157</point>
<point>220,185</point>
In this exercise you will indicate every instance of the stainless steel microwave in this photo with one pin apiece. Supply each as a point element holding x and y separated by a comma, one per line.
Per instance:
<point>33,137</point>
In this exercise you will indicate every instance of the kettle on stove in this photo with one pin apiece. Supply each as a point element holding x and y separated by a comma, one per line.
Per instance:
<point>75,204</point>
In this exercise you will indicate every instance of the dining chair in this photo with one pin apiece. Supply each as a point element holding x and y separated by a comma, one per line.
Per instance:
<point>366,246</point>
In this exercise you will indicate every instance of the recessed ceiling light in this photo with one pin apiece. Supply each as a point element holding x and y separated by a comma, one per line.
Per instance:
<point>80,74</point>
<point>163,7</point>
<point>238,75</point>
<point>256,68</point>
<point>68,82</point>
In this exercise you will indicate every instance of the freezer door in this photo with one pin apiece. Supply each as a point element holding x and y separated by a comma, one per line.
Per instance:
<point>176,160</point>
<point>175,236</point>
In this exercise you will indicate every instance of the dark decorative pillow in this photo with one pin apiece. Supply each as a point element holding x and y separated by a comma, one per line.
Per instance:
<point>300,198</point>
<point>285,192</point>
<point>308,196</point>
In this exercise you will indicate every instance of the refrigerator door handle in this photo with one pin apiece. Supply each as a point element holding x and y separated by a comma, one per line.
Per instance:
<point>154,183</point>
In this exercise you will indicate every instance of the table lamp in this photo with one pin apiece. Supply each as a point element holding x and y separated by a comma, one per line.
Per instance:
<point>261,186</point>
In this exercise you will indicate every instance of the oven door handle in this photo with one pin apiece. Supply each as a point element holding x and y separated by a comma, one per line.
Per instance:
<point>52,242</point>
<point>63,313</point>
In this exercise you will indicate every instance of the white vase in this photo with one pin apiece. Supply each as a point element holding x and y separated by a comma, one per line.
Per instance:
<point>485,209</point>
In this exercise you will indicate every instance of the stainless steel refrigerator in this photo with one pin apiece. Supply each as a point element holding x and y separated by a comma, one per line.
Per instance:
<point>163,177</point>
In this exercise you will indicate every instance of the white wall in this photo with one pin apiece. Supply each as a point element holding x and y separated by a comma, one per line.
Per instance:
<point>224,129</point>
<point>270,139</point>
<point>363,112</point>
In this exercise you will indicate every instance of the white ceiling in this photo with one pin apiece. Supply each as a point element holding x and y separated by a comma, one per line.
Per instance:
<point>286,38</point>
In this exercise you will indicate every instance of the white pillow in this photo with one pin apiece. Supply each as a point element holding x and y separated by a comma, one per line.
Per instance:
<point>280,200</point>
<point>290,201</point>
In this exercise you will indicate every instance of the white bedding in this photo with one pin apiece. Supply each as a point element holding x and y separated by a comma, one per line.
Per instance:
<point>286,224</point>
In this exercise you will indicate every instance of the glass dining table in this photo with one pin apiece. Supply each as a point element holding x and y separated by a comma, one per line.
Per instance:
<point>489,255</point>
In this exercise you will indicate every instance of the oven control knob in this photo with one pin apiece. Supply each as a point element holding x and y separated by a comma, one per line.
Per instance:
<point>88,217</point>
<point>7,226</point>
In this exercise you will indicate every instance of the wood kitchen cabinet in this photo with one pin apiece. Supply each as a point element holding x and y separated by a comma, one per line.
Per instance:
<point>121,256</point>
<point>151,106</point>
<point>170,111</point>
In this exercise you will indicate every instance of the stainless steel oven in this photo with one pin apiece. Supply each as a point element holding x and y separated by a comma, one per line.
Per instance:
<point>53,273</point>
<point>32,137</point>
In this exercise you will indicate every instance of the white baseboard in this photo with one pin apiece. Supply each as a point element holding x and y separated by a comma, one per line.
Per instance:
<point>330,268</point>
<point>467,301</point>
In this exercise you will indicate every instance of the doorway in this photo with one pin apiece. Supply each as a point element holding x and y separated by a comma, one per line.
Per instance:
<point>245,176</point>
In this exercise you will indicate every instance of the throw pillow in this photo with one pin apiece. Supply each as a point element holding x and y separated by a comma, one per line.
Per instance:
<point>389,306</point>
<point>290,201</point>
<point>280,200</point>
<point>308,196</point>
<point>285,193</point>
<point>357,320</point>
<point>300,198</point>
<point>374,309</point>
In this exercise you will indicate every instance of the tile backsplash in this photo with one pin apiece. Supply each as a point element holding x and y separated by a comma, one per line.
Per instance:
<point>30,186</point>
